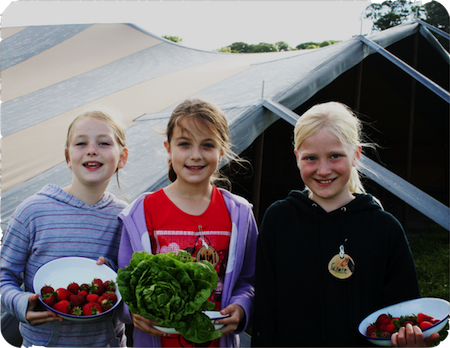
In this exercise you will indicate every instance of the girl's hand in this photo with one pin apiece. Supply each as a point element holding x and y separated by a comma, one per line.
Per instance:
<point>412,336</point>
<point>39,317</point>
<point>146,325</point>
<point>101,260</point>
<point>231,323</point>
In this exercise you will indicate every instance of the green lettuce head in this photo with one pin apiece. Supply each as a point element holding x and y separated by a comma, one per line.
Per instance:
<point>171,289</point>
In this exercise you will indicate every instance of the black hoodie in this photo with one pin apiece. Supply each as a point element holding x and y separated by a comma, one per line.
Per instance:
<point>298,302</point>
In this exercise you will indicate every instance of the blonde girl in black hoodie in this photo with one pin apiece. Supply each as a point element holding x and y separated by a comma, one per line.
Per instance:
<point>329,255</point>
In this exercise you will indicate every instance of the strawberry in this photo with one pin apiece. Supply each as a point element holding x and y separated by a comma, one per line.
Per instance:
<point>76,311</point>
<point>110,285</point>
<point>83,293</point>
<point>98,287</point>
<point>63,294</point>
<point>77,300</point>
<point>92,298</point>
<point>92,308</point>
<point>105,303</point>
<point>423,317</point>
<point>49,298</point>
<point>424,324</point>
<point>85,287</point>
<point>111,296</point>
<point>382,320</point>
<point>371,329</point>
<point>434,321</point>
<point>62,306</point>
<point>47,289</point>
<point>390,328</point>
<point>73,288</point>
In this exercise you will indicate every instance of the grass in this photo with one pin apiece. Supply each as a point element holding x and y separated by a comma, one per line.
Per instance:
<point>431,256</point>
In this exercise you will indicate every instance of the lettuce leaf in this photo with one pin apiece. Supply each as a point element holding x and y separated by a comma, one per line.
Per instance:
<point>171,289</point>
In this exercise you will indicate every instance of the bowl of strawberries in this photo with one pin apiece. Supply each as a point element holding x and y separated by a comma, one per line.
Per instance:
<point>76,288</point>
<point>430,314</point>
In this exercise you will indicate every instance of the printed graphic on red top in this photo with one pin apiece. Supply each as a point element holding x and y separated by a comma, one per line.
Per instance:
<point>205,236</point>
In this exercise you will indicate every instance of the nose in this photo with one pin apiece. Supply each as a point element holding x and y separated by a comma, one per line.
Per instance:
<point>91,150</point>
<point>196,153</point>
<point>323,168</point>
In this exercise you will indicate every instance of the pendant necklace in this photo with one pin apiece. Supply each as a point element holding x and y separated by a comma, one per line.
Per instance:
<point>206,252</point>
<point>341,265</point>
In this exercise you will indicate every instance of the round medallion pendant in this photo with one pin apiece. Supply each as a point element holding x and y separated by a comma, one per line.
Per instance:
<point>341,267</point>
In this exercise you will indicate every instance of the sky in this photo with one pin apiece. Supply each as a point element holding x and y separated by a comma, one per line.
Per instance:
<point>207,25</point>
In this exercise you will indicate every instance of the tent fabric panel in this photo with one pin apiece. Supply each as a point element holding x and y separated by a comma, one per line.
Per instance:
<point>7,32</point>
<point>72,93</point>
<point>322,75</point>
<point>92,48</point>
<point>27,159</point>
<point>34,40</point>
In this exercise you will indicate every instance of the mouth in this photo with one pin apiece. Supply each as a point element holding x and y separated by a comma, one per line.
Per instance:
<point>324,182</point>
<point>92,165</point>
<point>195,168</point>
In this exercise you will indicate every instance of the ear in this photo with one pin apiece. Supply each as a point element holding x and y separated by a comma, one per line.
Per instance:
<point>357,156</point>
<point>167,146</point>
<point>123,158</point>
<point>66,155</point>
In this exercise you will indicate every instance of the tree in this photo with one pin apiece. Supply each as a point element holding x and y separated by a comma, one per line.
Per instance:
<point>437,15</point>
<point>225,49</point>
<point>389,13</point>
<point>283,46</point>
<point>176,39</point>
<point>305,45</point>
<point>240,47</point>
<point>264,47</point>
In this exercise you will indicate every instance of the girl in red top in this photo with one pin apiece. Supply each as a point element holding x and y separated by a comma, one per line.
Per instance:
<point>192,214</point>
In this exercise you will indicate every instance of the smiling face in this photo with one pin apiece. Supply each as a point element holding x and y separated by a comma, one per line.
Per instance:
<point>93,153</point>
<point>194,152</point>
<point>325,167</point>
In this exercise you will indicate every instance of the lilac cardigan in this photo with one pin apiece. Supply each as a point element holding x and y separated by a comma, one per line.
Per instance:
<point>239,276</point>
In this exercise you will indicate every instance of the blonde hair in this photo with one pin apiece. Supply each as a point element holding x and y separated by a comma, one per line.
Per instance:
<point>339,120</point>
<point>118,128</point>
<point>212,117</point>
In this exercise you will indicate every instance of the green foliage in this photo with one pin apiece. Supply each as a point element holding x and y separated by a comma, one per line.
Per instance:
<point>311,45</point>
<point>431,256</point>
<point>283,46</point>
<point>176,39</point>
<point>240,47</point>
<point>264,47</point>
<point>226,49</point>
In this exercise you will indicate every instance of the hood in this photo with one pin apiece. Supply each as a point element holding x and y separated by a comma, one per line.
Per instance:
<point>58,194</point>
<point>307,206</point>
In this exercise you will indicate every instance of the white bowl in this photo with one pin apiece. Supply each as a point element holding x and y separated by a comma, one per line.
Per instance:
<point>214,315</point>
<point>435,307</point>
<point>61,272</point>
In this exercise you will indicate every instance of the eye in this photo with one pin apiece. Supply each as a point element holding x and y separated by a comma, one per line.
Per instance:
<point>104,143</point>
<point>336,156</point>
<point>309,158</point>
<point>183,144</point>
<point>80,143</point>
<point>209,145</point>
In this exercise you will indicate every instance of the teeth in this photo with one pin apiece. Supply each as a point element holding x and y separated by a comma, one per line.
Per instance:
<point>92,164</point>
<point>324,181</point>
